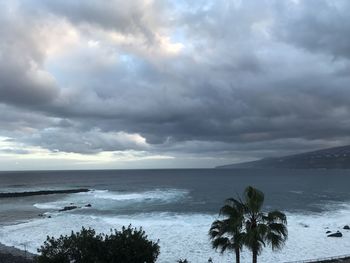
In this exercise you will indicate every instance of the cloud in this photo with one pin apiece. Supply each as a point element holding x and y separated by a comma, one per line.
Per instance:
<point>23,78</point>
<point>89,142</point>
<point>318,26</point>
<point>211,79</point>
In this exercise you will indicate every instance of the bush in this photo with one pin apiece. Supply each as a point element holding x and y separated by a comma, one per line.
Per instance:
<point>128,245</point>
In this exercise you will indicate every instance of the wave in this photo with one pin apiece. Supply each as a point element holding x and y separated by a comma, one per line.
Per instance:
<point>296,192</point>
<point>50,205</point>
<point>158,194</point>
<point>104,198</point>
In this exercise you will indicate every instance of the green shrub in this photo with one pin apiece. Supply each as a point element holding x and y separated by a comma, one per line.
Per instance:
<point>130,245</point>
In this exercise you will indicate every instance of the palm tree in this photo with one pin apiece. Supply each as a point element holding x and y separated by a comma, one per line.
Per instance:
<point>262,228</point>
<point>227,233</point>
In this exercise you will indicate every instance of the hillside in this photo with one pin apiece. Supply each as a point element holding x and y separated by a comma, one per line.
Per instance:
<point>331,158</point>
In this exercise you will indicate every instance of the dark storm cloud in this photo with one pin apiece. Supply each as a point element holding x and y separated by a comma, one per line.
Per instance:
<point>23,80</point>
<point>16,121</point>
<point>318,26</point>
<point>215,78</point>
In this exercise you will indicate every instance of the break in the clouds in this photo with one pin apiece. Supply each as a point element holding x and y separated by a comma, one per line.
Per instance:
<point>170,83</point>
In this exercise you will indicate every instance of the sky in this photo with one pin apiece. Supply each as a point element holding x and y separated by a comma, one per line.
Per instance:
<point>90,84</point>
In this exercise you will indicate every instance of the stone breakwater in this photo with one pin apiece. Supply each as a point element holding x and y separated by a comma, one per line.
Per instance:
<point>43,192</point>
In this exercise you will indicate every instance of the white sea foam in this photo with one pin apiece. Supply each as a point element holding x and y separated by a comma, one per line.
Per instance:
<point>185,235</point>
<point>164,195</point>
<point>296,192</point>
<point>50,205</point>
<point>103,198</point>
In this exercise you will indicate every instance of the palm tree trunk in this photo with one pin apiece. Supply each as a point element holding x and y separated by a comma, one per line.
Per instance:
<point>237,255</point>
<point>255,256</point>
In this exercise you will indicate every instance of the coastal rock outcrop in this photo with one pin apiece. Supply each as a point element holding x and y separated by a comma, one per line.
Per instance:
<point>71,206</point>
<point>43,216</point>
<point>337,234</point>
<point>67,208</point>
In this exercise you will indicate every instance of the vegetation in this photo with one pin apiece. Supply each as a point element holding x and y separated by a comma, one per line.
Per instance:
<point>262,228</point>
<point>128,245</point>
<point>245,224</point>
<point>227,234</point>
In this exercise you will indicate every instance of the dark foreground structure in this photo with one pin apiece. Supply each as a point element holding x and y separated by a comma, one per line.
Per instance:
<point>14,255</point>
<point>9,258</point>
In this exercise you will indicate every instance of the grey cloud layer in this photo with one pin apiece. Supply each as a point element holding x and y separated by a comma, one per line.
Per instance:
<point>23,79</point>
<point>254,78</point>
<point>318,26</point>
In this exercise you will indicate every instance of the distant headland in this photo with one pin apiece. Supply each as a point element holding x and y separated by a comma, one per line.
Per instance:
<point>330,158</point>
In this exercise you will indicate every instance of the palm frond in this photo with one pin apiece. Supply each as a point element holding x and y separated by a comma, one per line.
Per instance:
<point>279,229</point>
<point>254,199</point>
<point>221,243</point>
<point>230,211</point>
<point>217,229</point>
<point>276,241</point>
<point>276,216</point>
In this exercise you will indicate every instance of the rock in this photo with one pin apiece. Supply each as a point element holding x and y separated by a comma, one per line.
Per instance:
<point>67,208</point>
<point>328,232</point>
<point>338,234</point>
<point>49,217</point>
<point>346,227</point>
<point>88,205</point>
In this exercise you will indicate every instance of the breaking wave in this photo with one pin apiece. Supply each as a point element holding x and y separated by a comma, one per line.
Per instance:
<point>104,198</point>
<point>162,195</point>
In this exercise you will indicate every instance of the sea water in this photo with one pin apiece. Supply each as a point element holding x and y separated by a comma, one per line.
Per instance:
<point>177,208</point>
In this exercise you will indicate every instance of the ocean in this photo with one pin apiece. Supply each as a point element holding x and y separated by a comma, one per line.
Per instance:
<point>177,208</point>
